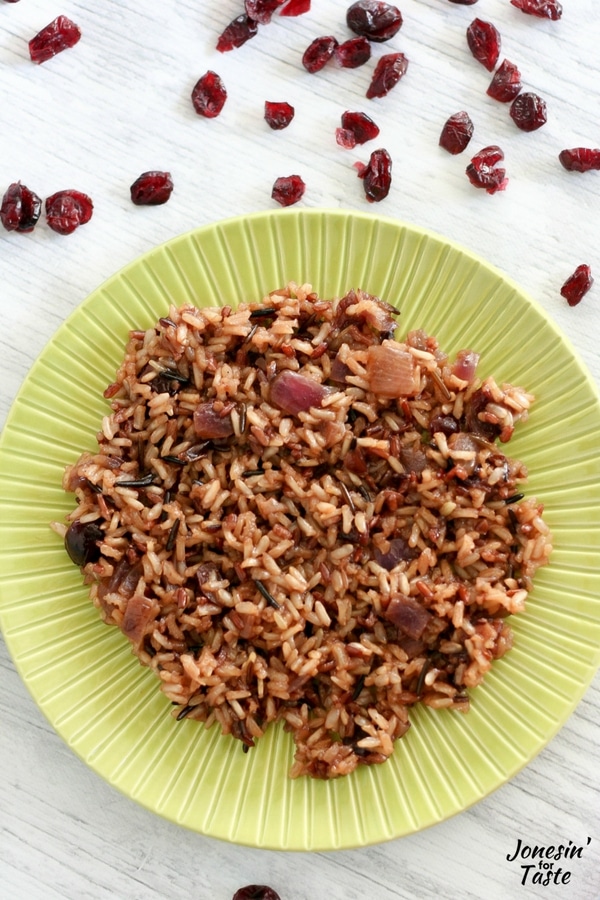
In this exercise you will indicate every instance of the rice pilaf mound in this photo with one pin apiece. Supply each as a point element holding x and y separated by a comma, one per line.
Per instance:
<point>294,517</point>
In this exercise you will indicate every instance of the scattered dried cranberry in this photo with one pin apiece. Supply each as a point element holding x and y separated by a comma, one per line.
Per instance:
<point>288,189</point>
<point>319,52</point>
<point>388,72</point>
<point>483,171</point>
<point>152,188</point>
<point>580,159</point>
<point>67,210</point>
<point>278,115</point>
<point>464,2</point>
<point>484,42</point>
<point>456,133</point>
<point>256,892</point>
<point>543,9</point>
<point>353,53</point>
<point>374,20</point>
<point>20,209</point>
<point>59,35</point>
<point>506,82</point>
<point>237,33</point>
<point>356,128</point>
<point>295,8</point>
<point>577,285</point>
<point>528,111</point>
<point>261,11</point>
<point>209,95</point>
<point>376,175</point>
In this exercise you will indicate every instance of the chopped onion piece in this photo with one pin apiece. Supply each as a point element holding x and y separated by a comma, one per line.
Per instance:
<point>465,365</point>
<point>391,370</point>
<point>294,393</point>
<point>210,424</point>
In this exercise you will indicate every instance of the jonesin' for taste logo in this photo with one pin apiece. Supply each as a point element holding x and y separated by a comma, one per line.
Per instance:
<point>546,864</point>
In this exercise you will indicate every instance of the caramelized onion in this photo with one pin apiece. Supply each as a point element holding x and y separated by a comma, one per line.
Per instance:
<point>139,613</point>
<point>407,615</point>
<point>294,393</point>
<point>465,365</point>
<point>391,370</point>
<point>210,424</point>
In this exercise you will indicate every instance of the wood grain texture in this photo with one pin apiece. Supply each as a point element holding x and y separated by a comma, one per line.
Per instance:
<point>117,104</point>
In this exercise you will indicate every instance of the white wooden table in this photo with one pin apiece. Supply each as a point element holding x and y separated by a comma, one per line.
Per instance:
<point>118,104</point>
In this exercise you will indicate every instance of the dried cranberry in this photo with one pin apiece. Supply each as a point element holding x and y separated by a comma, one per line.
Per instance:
<point>288,189</point>
<point>81,542</point>
<point>388,72</point>
<point>580,159</point>
<point>464,2</point>
<point>506,82</point>
<point>278,115</point>
<point>209,95</point>
<point>237,33</point>
<point>261,11</point>
<point>528,111</point>
<point>577,285</point>
<point>376,175</point>
<point>318,53</point>
<point>353,53</point>
<point>59,35</point>
<point>256,892</point>
<point>356,128</point>
<point>295,8</point>
<point>67,210</point>
<point>374,20</point>
<point>152,188</point>
<point>456,133</point>
<point>543,9</point>
<point>484,42</point>
<point>20,209</point>
<point>483,171</point>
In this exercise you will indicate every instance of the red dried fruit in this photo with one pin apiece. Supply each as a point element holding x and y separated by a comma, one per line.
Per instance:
<point>357,128</point>
<point>464,2</point>
<point>288,189</point>
<point>318,53</point>
<point>209,95</point>
<point>374,20</point>
<point>353,53</point>
<point>261,11</point>
<point>528,111</point>
<point>388,72</point>
<point>295,8</point>
<point>456,133</point>
<point>67,210</point>
<point>59,35</point>
<point>256,892</point>
<point>506,82</point>
<point>278,115</point>
<point>237,33</point>
<point>376,175</point>
<point>152,188</point>
<point>20,209</point>
<point>483,171</point>
<point>577,285</point>
<point>543,9</point>
<point>580,159</point>
<point>484,43</point>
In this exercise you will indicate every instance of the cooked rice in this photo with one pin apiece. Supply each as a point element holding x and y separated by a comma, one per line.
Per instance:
<point>328,566</point>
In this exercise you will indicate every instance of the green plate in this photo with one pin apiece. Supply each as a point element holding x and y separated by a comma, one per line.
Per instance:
<point>109,710</point>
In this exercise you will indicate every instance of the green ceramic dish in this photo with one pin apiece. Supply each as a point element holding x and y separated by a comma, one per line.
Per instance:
<point>82,673</point>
